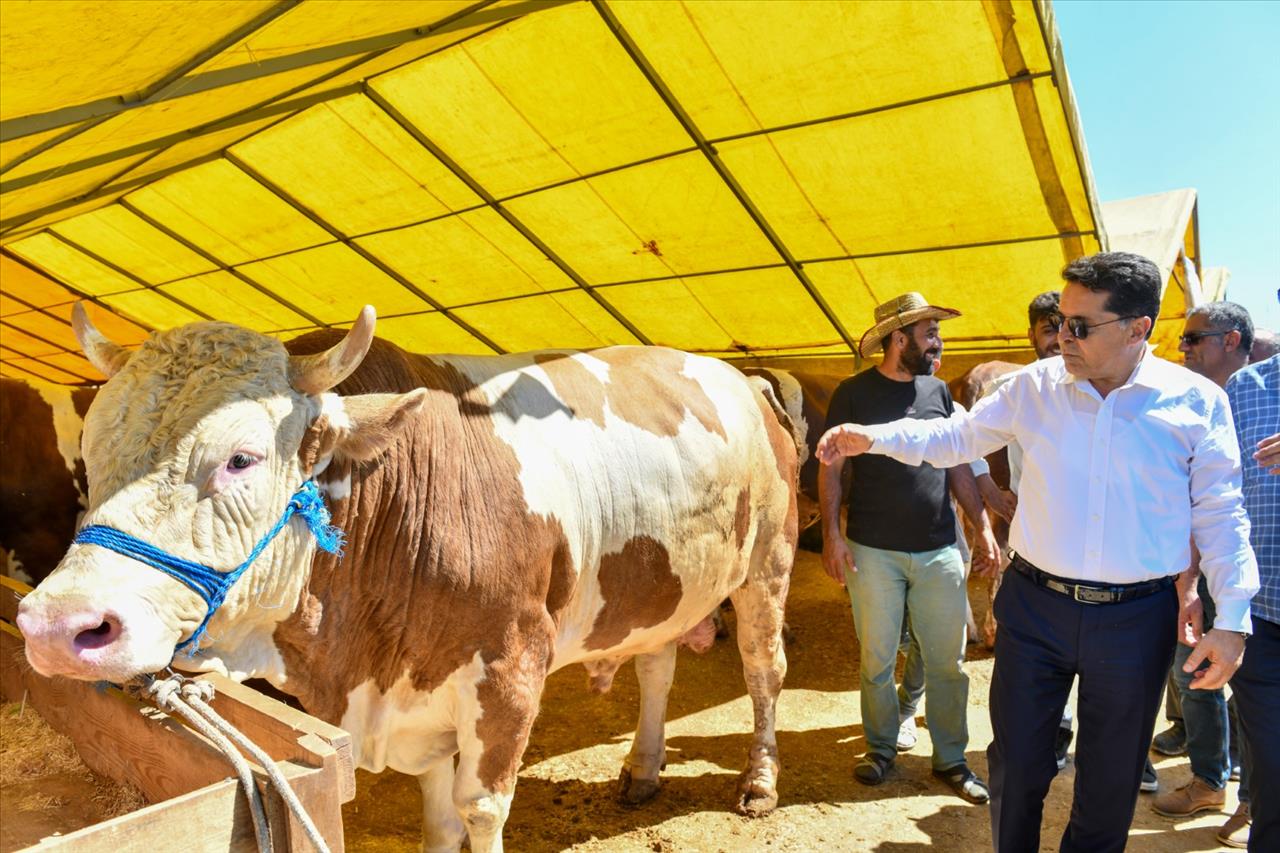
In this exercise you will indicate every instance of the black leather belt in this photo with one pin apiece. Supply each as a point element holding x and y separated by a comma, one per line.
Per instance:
<point>1090,593</point>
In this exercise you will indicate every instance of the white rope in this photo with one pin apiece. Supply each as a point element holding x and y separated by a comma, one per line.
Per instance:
<point>197,693</point>
<point>190,699</point>
<point>164,692</point>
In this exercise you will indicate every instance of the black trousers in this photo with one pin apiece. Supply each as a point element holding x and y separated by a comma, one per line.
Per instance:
<point>1256,687</point>
<point>1121,654</point>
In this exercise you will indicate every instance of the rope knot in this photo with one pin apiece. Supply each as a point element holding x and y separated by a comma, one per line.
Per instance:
<point>162,690</point>
<point>198,690</point>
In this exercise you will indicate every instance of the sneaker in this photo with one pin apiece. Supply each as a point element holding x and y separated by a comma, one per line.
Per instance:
<point>1061,741</point>
<point>965,783</point>
<point>873,768</point>
<point>1235,832</point>
<point>1171,741</point>
<point>1192,798</point>
<point>1150,782</point>
<point>907,734</point>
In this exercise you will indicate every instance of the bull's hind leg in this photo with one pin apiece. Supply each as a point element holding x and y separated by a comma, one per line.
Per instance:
<point>638,782</point>
<point>760,603</point>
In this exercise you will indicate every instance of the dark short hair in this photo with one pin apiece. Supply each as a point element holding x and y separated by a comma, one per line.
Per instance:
<point>1044,305</point>
<point>1227,317</point>
<point>906,330</point>
<point>1131,282</point>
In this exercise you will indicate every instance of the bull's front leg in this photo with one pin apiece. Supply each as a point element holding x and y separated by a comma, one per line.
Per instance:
<point>442,829</point>
<point>638,782</point>
<point>494,721</point>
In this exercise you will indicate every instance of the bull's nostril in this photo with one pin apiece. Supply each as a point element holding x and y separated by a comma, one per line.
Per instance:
<point>96,638</point>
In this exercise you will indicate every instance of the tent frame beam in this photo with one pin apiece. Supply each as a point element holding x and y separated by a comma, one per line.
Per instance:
<point>119,270</point>
<point>164,88</point>
<point>713,158</point>
<point>230,270</point>
<point>271,106</point>
<point>280,193</point>
<point>177,84</point>
<point>497,206</point>
<point>61,350</point>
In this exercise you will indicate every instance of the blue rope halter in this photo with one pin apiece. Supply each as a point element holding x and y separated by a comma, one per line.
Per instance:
<point>209,583</point>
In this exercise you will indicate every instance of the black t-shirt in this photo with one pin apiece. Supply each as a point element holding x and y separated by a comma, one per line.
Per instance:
<point>894,506</point>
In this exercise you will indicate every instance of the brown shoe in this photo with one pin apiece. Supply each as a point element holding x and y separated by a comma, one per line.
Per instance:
<point>1194,797</point>
<point>1235,832</point>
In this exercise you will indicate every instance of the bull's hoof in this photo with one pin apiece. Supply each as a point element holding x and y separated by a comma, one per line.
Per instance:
<point>753,802</point>
<point>635,792</point>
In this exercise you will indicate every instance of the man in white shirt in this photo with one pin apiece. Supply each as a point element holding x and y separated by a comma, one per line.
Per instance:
<point>1127,457</point>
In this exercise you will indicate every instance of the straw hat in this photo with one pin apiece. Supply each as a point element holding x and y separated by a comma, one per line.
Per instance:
<point>899,312</point>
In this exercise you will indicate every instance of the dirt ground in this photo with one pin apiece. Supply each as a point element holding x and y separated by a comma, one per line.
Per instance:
<point>565,796</point>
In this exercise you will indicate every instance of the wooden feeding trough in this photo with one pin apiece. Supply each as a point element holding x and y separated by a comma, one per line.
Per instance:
<point>196,803</point>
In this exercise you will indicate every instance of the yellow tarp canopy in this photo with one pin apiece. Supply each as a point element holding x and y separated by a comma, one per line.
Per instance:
<point>730,177</point>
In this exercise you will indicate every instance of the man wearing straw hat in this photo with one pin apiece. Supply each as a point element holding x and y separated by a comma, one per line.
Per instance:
<point>901,545</point>
<point>1126,458</point>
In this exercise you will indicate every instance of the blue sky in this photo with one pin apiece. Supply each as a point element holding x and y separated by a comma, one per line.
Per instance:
<point>1187,94</point>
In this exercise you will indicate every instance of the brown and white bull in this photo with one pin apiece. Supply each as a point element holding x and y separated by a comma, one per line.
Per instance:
<point>42,480</point>
<point>505,517</point>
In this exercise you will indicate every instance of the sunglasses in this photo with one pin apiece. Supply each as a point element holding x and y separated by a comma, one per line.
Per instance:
<point>1080,329</point>
<point>1192,338</point>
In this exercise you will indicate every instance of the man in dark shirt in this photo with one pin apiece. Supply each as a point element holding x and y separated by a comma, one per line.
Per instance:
<point>901,545</point>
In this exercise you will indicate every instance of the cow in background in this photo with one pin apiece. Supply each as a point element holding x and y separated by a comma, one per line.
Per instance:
<point>43,490</point>
<point>806,398</point>
<point>505,517</point>
<point>968,389</point>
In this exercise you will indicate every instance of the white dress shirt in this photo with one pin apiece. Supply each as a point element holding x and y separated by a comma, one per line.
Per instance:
<point>1014,450</point>
<point>979,467</point>
<point>1112,490</point>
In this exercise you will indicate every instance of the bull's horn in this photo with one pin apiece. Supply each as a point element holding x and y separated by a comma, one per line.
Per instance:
<point>315,374</point>
<point>108,357</point>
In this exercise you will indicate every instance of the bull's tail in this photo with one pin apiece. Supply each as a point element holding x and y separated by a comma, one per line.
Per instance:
<point>763,387</point>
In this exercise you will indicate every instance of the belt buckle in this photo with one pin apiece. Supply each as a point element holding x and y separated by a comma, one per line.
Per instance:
<point>1088,595</point>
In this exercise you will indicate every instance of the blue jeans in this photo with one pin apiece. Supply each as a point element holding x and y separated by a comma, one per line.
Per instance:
<point>931,585</point>
<point>911,690</point>
<point>1204,714</point>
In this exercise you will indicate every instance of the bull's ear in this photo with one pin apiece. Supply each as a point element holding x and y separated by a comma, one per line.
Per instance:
<point>315,374</point>
<point>108,357</point>
<point>375,421</point>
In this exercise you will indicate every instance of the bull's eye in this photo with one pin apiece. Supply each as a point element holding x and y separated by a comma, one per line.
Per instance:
<point>240,461</point>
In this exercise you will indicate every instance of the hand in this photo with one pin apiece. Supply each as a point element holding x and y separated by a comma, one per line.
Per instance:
<point>841,441</point>
<point>1224,650</point>
<point>986,553</point>
<point>836,558</point>
<point>1190,620</point>
<point>1002,501</point>
<point>1268,454</point>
